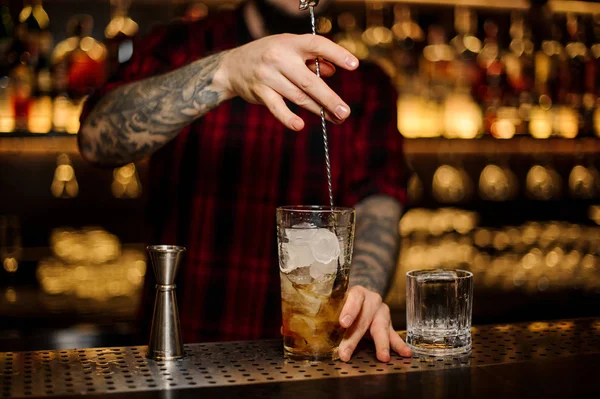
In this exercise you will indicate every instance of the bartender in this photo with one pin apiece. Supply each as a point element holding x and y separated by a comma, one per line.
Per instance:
<point>225,110</point>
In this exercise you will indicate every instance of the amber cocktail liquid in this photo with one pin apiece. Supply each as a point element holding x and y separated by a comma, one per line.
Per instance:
<point>315,252</point>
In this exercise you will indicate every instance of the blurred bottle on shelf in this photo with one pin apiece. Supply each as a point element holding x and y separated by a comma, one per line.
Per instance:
<point>593,69</point>
<point>196,11</point>
<point>376,33</point>
<point>7,118</point>
<point>593,75</point>
<point>418,116</point>
<point>418,110</point>
<point>22,77</point>
<point>554,50</point>
<point>378,37</point>
<point>79,64</point>
<point>40,116</point>
<point>436,64</point>
<point>34,18</point>
<point>577,53</point>
<point>119,35</point>
<point>79,60</point>
<point>573,107</point>
<point>549,57</point>
<point>6,32</point>
<point>462,118</point>
<point>350,37</point>
<point>518,65</point>
<point>467,47</point>
<point>29,68</point>
<point>409,41</point>
<point>491,87</point>
<point>591,115</point>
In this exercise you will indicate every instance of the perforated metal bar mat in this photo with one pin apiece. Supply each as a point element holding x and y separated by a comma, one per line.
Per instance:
<point>105,370</point>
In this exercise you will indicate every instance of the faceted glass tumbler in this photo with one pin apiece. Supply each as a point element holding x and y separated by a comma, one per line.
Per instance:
<point>439,307</point>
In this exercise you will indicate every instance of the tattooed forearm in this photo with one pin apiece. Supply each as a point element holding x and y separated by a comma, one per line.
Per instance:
<point>137,119</point>
<point>376,243</point>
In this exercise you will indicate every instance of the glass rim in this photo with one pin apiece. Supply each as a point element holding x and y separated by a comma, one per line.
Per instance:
<point>314,209</point>
<point>467,274</point>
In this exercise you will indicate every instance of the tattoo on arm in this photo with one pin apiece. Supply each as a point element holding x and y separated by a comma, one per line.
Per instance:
<point>135,120</point>
<point>376,243</point>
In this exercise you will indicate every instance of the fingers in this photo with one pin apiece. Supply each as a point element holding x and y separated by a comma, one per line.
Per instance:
<point>279,109</point>
<point>360,325</point>
<point>352,307</point>
<point>397,344</point>
<point>380,332</point>
<point>327,69</point>
<point>317,89</point>
<point>313,46</point>
<point>288,90</point>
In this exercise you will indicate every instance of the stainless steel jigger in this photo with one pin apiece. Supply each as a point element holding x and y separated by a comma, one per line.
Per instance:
<point>165,333</point>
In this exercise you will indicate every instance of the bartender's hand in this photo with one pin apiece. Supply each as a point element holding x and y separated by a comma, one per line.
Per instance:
<point>365,312</point>
<point>278,67</point>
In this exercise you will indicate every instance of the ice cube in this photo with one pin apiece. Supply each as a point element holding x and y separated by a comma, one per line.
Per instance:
<point>318,269</point>
<point>325,246</point>
<point>303,326</point>
<point>307,302</point>
<point>295,256</point>
<point>323,285</point>
<point>301,233</point>
<point>308,246</point>
<point>295,291</point>
<point>300,276</point>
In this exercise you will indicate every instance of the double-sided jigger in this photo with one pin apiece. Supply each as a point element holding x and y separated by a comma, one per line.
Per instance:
<point>165,333</point>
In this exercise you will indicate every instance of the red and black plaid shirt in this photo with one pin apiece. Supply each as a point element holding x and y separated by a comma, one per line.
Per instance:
<point>215,187</point>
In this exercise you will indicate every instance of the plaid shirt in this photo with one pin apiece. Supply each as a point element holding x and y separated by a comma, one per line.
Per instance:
<point>215,187</point>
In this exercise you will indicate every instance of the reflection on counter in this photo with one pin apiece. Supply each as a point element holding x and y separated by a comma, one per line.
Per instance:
<point>532,257</point>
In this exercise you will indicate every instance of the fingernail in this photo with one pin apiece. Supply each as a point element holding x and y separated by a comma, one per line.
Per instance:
<point>341,111</point>
<point>346,321</point>
<point>351,62</point>
<point>348,353</point>
<point>296,124</point>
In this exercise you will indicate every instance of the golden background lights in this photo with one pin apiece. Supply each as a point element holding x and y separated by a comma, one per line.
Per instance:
<point>91,264</point>
<point>531,258</point>
<point>126,182</point>
<point>64,184</point>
